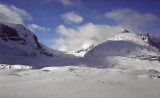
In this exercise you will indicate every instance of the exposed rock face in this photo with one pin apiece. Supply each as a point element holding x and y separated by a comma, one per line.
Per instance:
<point>151,39</point>
<point>125,31</point>
<point>17,33</point>
<point>36,41</point>
<point>154,42</point>
<point>8,33</point>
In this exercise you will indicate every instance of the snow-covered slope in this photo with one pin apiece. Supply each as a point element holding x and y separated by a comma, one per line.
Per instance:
<point>18,45</point>
<point>123,51</point>
<point>126,44</point>
<point>18,40</point>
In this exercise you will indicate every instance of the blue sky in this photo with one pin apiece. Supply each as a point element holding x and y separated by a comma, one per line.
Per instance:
<point>71,24</point>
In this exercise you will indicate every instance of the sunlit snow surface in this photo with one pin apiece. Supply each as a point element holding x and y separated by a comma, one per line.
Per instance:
<point>79,82</point>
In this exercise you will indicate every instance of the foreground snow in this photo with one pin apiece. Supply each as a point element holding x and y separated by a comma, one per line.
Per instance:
<point>79,82</point>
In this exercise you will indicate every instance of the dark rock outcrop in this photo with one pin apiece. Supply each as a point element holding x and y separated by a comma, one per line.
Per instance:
<point>19,34</point>
<point>8,33</point>
<point>151,40</point>
<point>125,31</point>
<point>36,41</point>
<point>85,50</point>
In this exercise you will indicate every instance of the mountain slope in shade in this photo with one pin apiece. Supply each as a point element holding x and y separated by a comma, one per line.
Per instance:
<point>21,46</point>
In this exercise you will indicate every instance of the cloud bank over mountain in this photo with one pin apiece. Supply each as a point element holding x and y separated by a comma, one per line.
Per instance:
<point>72,39</point>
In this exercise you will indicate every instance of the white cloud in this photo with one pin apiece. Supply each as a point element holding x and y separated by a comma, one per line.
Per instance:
<point>83,36</point>
<point>132,19</point>
<point>34,27</point>
<point>21,12</point>
<point>66,2</point>
<point>12,14</point>
<point>71,17</point>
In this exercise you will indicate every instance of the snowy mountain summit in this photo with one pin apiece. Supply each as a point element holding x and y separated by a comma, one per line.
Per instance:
<point>126,44</point>
<point>126,50</point>
<point>125,31</point>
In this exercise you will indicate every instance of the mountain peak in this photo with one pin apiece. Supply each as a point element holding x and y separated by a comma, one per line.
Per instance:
<point>19,37</point>
<point>125,31</point>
